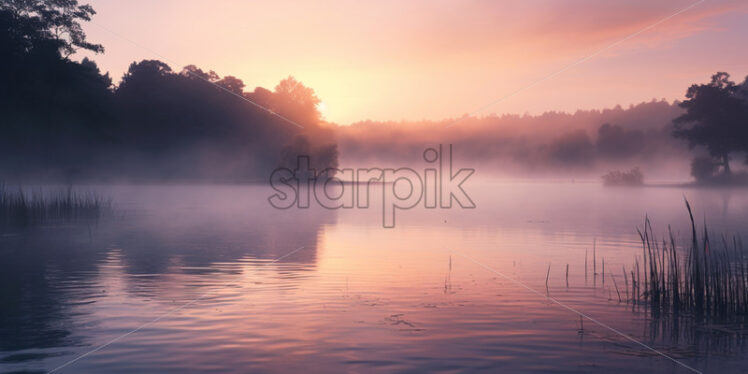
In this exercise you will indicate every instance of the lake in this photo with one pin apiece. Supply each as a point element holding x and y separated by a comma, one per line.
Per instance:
<point>212,278</point>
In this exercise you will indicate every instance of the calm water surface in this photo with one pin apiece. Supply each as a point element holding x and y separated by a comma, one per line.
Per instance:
<point>194,269</point>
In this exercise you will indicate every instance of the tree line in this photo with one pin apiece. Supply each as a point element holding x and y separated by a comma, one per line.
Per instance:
<point>712,122</point>
<point>65,119</point>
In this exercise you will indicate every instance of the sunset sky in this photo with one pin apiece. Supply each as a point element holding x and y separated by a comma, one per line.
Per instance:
<point>436,59</point>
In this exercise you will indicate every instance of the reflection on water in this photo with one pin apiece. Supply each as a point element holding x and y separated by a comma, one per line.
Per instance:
<point>356,297</point>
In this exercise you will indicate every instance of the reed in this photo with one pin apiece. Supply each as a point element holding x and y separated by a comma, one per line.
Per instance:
<point>616,285</point>
<point>585,265</point>
<point>22,208</point>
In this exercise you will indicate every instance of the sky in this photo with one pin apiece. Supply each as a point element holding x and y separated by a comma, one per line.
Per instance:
<point>437,59</point>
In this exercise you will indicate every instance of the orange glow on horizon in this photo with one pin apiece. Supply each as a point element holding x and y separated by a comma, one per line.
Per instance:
<point>434,60</point>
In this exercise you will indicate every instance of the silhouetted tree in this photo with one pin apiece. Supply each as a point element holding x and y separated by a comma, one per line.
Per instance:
<point>232,84</point>
<point>716,117</point>
<point>53,20</point>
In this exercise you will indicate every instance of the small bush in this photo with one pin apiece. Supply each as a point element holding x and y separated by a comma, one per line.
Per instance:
<point>633,177</point>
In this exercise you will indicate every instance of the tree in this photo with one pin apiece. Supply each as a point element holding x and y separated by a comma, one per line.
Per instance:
<point>54,20</point>
<point>146,71</point>
<point>297,102</point>
<point>232,84</point>
<point>716,118</point>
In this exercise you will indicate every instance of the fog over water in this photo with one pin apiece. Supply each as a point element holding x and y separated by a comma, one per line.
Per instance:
<point>355,296</point>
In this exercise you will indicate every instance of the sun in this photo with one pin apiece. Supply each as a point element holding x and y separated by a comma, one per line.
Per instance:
<point>322,107</point>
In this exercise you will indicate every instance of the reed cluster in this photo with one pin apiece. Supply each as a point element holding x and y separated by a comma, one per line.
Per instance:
<point>705,280</point>
<point>22,208</point>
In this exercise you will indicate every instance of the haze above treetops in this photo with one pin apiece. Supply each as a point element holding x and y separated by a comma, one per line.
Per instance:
<point>394,60</point>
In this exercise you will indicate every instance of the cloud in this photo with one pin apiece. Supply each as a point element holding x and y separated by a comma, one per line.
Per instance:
<point>546,28</point>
